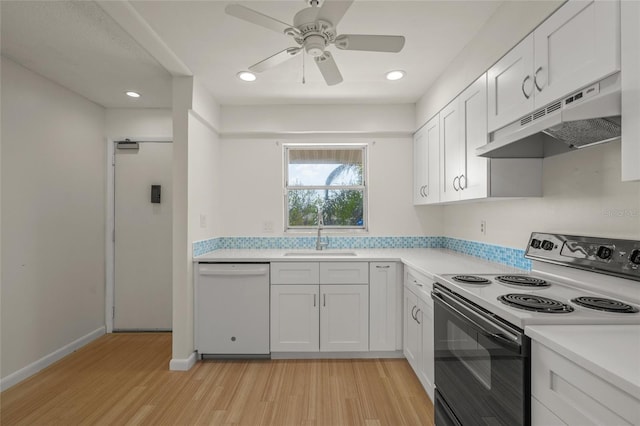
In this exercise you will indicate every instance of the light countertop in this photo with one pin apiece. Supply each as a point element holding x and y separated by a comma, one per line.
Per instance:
<point>429,262</point>
<point>610,351</point>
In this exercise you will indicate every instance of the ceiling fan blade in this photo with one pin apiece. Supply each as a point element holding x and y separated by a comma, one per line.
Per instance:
<point>372,43</point>
<point>328,68</point>
<point>333,10</point>
<point>276,59</point>
<point>257,18</point>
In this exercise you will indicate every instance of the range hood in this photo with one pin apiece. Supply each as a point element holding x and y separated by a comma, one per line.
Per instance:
<point>587,117</point>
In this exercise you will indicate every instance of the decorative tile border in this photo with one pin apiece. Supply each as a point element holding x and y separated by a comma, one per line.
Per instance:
<point>504,255</point>
<point>499,254</point>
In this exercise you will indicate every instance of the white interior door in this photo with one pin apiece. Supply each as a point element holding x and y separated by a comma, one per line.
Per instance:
<point>143,235</point>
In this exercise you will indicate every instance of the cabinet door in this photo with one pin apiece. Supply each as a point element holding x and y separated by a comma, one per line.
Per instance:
<point>576,46</point>
<point>450,152</point>
<point>473,181</point>
<point>432,188</point>
<point>630,12</point>
<point>344,318</point>
<point>412,333</point>
<point>420,167</point>
<point>383,315</point>
<point>511,87</point>
<point>295,319</point>
<point>427,367</point>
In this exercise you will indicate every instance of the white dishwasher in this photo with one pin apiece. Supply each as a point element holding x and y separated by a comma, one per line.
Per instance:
<point>232,309</point>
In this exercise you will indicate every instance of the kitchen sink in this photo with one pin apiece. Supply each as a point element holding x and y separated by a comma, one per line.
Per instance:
<point>320,253</point>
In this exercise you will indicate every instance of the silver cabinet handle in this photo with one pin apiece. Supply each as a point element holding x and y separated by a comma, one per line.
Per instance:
<point>422,190</point>
<point>454,183</point>
<point>324,299</point>
<point>314,300</point>
<point>535,79</point>
<point>460,182</point>
<point>523,82</point>
<point>426,190</point>
<point>382,266</point>
<point>412,310</point>
<point>419,310</point>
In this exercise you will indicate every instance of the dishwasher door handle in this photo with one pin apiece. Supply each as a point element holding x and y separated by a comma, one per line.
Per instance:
<point>233,272</point>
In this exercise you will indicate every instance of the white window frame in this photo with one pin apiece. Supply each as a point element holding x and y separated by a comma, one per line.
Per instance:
<point>364,187</point>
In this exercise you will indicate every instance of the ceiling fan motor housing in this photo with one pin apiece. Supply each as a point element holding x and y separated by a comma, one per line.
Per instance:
<point>314,45</point>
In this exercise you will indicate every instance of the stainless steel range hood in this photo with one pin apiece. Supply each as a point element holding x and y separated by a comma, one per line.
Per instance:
<point>584,118</point>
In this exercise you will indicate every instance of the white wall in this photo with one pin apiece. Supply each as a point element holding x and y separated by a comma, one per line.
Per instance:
<point>252,171</point>
<point>509,24</point>
<point>583,195</point>
<point>53,210</point>
<point>195,142</point>
<point>138,123</point>
<point>293,120</point>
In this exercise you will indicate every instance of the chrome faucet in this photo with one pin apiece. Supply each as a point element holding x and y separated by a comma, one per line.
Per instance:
<point>320,245</point>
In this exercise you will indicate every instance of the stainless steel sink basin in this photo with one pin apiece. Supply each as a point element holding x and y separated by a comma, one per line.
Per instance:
<point>320,253</point>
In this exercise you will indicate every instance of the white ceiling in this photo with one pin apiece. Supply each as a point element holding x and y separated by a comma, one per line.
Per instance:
<point>84,48</point>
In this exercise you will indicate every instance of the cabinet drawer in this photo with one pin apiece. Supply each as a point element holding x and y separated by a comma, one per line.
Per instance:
<point>344,273</point>
<point>295,273</point>
<point>419,285</point>
<point>577,396</point>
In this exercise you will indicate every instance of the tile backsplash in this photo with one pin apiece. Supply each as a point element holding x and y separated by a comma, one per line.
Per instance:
<point>504,255</point>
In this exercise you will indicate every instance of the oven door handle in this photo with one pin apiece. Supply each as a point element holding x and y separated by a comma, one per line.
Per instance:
<point>498,337</point>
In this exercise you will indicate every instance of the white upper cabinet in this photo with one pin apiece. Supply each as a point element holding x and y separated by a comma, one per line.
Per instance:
<point>450,152</point>
<point>630,13</point>
<point>510,83</point>
<point>463,128</point>
<point>426,163</point>
<point>576,46</point>
<point>473,134</point>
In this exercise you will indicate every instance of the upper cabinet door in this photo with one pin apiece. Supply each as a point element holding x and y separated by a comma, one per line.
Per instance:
<point>420,171</point>
<point>511,86</point>
<point>450,152</point>
<point>432,151</point>
<point>473,132</point>
<point>576,46</point>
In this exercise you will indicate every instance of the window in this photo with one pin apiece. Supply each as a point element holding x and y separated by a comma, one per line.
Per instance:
<point>327,178</point>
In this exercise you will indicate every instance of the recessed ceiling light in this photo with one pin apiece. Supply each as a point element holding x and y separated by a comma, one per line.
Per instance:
<point>246,76</point>
<point>395,75</point>
<point>133,94</point>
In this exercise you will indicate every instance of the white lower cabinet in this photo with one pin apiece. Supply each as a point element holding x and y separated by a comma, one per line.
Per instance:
<point>385,306</point>
<point>295,323</point>
<point>320,306</point>
<point>344,318</point>
<point>573,395</point>
<point>418,328</point>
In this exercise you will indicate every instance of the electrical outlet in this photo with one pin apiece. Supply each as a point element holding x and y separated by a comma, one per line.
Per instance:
<point>483,227</point>
<point>203,220</point>
<point>267,226</point>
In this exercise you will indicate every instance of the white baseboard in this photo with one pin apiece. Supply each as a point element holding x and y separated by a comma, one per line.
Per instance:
<point>336,355</point>
<point>47,360</point>
<point>182,364</point>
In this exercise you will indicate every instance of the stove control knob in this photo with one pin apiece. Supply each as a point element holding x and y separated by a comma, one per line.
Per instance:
<point>635,257</point>
<point>547,245</point>
<point>535,243</point>
<point>604,252</point>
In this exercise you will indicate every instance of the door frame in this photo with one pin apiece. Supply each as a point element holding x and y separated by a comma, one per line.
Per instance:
<point>110,223</point>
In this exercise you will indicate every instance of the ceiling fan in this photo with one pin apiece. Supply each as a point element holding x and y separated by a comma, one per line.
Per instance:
<point>314,29</point>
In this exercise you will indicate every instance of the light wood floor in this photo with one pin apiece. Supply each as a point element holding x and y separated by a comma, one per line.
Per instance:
<point>124,379</point>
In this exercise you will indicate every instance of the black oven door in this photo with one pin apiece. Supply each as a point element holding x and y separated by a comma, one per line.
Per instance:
<point>482,367</point>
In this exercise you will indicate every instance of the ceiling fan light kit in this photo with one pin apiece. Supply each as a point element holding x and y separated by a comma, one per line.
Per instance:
<point>314,29</point>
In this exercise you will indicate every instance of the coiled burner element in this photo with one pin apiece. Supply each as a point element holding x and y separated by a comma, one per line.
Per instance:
<point>603,304</point>
<point>471,279</point>
<point>522,280</point>
<point>535,303</point>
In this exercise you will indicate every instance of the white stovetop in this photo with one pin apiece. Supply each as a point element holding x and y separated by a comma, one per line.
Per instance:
<point>609,351</point>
